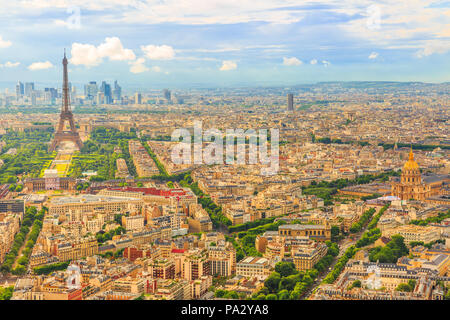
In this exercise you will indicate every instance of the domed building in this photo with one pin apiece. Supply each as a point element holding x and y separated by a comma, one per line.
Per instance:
<point>411,185</point>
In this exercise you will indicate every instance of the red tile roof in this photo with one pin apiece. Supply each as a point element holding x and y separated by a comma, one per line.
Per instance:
<point>153,191</point>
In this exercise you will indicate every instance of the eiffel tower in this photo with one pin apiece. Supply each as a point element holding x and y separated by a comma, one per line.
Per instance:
<point>66,115</point>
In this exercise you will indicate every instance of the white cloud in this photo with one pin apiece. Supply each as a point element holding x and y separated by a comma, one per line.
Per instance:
<point>40,65</point>
<point>373,55</point>
<point>291,61</point>
<point>9,64</point>
<point>432,47</point>
<point>170,11</point>
<point>85,54</point>
<point>401,23</point>
<point>326,63</point>
<point>90,55</point>
<point>235,48</point>
<point>138,66</point>
<point>313,61</point>
<point>158,52</point>
<point>4,43</point>
<point>113,49</point>
<point>197,12</point>
<point>228,65</point>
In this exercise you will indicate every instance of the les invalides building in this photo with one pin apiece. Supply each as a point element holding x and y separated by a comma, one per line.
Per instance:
<point>411,184</point>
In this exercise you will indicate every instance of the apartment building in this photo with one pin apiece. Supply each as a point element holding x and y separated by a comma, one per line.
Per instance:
<point>74,249</point>
<point>170,289</point>
<point>162,268</point>
<point>133,223</point>
<point>196,264</point>
<point>305,257</point>
<point>414,233</point>
<point>316,232</point>
<point>253,266</point>
<point>129,285</point>
<point>94,203</point>
<point>222,257</point>
<point>122,168</point>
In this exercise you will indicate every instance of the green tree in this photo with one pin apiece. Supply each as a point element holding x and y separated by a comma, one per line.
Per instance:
<point>283,295</point>
<point>6,293</point>
<point>272,282</point>
<point>403,287</point>
<point>19,270</point>
<point>231,295</point>
<point>220,293</point>
<point>285,268</point>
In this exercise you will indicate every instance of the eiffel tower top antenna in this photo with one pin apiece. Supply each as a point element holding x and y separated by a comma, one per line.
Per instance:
<point>66,97</point>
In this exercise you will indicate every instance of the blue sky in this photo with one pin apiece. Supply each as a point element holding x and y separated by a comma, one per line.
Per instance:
<point>183,43</point>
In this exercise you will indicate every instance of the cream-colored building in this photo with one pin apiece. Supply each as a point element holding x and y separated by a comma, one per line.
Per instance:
<point>133,223</point>
<point>414,233</point>
<point>94,203</point>
<point>253,266</point>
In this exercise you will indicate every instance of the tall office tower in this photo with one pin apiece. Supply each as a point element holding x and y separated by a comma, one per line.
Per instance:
<point>50,94</point>
<point>290,101</point>
<point>52,91</point>
<point>48,97</point>
<point>29,88</point>
<point>100,98</point>
<point>180,99</point>
<point>73,94</point>
<point>106,90</point>
<point>19,90</point>
<point>90,90</point>
<point>138,98</point>
<point>167,94</point>
<point>117,92</point>
<point>33,98</point>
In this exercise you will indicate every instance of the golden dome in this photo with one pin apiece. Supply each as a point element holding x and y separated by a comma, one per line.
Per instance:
<point>411,164</point>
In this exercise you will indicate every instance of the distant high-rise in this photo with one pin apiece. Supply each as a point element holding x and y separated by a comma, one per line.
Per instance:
<point>50,94</point>
<point>29,88</point>
<point>100,98</point>
<point>33,98</point>
<point>73,94</point>
<point>106,89</point>
<point>117,92</point>
<point>90,90</point>
<point>290,101</point>
<point>167,94</point>
<point>180,99</point>
<point>19,90</point>
<point>138,98</point>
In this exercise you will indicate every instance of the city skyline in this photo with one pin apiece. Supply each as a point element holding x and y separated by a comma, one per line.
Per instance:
<point>154,44</point>
<point>228,152</point>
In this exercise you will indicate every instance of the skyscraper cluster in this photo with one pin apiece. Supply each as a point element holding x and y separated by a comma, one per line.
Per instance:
<point>103,94</point>
<point>27,93</point>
